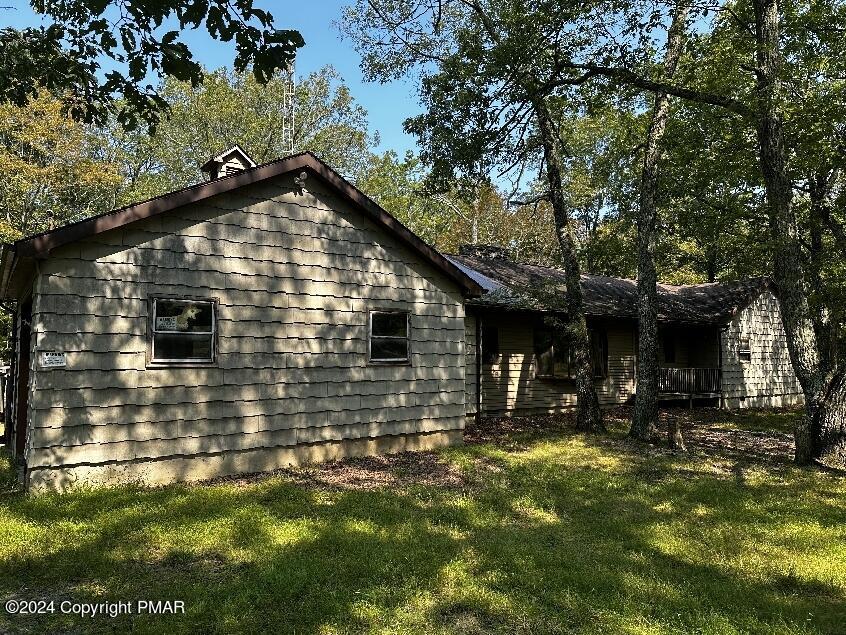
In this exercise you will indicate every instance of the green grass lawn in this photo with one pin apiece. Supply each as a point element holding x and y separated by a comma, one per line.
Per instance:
<point>527,529</point>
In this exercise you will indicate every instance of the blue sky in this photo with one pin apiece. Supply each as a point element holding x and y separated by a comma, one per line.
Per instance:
<point>387,105</point>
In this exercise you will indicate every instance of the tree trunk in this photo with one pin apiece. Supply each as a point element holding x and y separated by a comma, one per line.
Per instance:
<point>820,185</point>
<point>645,420</point>
<point>588,414</point>
<point>829,427</point>
<point>818,431</point>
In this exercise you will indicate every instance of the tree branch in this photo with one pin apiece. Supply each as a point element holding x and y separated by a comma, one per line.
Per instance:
<point>835,227</point>
<point>530,201</point>
<point>630,78</point>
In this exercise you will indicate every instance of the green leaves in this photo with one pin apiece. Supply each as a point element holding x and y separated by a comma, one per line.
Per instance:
<point>67,56</point>
<point>231,107</point>
<point>193,13</point>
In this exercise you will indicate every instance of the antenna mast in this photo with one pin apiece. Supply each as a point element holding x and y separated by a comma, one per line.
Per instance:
<point>289,83</point>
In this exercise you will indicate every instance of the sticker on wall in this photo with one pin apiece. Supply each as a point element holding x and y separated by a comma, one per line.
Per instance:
<point>166,323</point>
<point>53,359</point>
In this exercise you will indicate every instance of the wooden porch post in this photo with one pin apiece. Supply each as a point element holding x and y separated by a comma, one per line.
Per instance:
<point>479,345</point>
<point>720,332</point>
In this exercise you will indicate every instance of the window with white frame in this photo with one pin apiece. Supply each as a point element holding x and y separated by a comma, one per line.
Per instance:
<point>183,331</point>
<point>389,336</point>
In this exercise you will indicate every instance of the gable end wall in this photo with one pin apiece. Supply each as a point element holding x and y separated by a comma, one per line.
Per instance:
<point>294,275</point>
<point>767,380</point>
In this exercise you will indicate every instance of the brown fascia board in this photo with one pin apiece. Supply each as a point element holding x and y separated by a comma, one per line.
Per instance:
<point>7,261</point>
<point>40,245</point>
<point>765,283</point>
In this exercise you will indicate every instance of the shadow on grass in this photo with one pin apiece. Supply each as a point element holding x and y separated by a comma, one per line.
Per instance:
<point>550,533</point>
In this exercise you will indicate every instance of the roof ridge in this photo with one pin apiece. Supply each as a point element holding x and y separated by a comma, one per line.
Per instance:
<point>42,244</point>
<point>666,285</point>
<point>160,196</point>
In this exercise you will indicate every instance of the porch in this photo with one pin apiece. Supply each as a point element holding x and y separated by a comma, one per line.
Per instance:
<point>690,363</point>
<point>702,382</point>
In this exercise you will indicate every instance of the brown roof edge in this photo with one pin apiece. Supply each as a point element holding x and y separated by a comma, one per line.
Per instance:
<point>41,244</point>
<point>7,260</point>
<point>765,283</point>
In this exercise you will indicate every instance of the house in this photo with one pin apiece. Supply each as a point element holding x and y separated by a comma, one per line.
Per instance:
<point>721,343</point>
<point>274,315</point>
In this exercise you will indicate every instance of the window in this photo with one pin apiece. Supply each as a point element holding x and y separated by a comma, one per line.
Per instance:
<point>599,353</point>
<point>744,350</point>
<point>389,336</point>
<point>668,344</point>
<point>183,331</point>
<point>490,344</point>
<point>553,357</point>
<point>552,354</point>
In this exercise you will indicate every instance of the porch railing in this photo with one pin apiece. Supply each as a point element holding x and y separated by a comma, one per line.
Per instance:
<point>688,381</point>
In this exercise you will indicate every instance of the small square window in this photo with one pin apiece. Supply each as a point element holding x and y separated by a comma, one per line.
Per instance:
<point>744,350</point>
<point>389,336</point>
<point>183,331</point>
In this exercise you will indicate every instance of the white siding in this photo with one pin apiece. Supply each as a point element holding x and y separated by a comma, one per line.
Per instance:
<point>767,380</point>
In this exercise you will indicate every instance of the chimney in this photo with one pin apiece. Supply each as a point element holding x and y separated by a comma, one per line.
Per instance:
<point>229,162</point>
<point>486,252</point>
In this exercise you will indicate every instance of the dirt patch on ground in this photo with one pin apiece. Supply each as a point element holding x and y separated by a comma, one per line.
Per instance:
<point>369,473</point>
<point>504,430</point>
<point>705,431</point>
<point>741,444</point>
<point>709,431</point>
<point>373,472</point>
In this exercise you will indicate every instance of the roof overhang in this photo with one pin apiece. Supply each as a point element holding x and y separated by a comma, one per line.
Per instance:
<point>515,286</point>
<point>39,246</point>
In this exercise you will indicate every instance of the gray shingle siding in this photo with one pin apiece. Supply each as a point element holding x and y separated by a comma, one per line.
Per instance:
<point>294,275</point>
<point>767,379</point>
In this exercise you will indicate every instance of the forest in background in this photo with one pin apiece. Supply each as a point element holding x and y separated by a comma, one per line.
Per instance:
<point>55,169</point>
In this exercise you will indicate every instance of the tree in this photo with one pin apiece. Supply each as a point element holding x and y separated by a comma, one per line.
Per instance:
<point>767,51</point>
<point>398,186</point>
<point>714,196</point>
<point>100,54</point>
<point>50,169</point>
<point>51,172</point>
<point>446,220</point>
<point>485,88</point>
<point>232,107</point>
<point>762,49</point>
<point>645,419</point>
<point>601,140</point>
